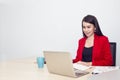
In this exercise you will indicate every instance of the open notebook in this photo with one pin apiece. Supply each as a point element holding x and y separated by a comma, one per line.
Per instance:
<point>81,67</point>
<point>102,69</point>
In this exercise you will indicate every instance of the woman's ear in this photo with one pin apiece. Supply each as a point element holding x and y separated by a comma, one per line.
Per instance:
<point>94,29</point>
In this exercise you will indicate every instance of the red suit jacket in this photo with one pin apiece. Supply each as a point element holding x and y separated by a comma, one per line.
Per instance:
<point>101,54</point>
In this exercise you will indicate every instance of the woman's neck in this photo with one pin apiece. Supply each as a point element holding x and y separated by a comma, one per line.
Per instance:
<point>89,41</point>
<point>91,37</point>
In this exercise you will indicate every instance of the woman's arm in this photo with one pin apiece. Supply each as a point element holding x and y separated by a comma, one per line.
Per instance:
<point>85,63</point>
<point>105,56</point>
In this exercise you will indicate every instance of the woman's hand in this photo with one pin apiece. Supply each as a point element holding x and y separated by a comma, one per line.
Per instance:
<point>85,63</point>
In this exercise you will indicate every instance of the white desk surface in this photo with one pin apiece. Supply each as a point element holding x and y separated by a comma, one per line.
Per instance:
<point>26,69</point>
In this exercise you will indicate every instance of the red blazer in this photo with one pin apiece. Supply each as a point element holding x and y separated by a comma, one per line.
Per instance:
<point>101,54</point>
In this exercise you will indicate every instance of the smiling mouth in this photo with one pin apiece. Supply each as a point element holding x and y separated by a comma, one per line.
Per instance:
<point>87,33</point>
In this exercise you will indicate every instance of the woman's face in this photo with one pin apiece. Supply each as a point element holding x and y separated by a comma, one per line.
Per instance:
<point>88,29</point>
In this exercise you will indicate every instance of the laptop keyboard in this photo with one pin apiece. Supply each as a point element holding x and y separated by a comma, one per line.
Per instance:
<point>80,72</point>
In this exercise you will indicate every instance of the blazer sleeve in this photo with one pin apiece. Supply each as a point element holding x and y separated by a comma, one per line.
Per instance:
<point>79,50</point>
<point>105,56</point>
<point>78,55</point>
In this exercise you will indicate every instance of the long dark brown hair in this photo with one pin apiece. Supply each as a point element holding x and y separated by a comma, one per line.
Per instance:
<point>93,20</point>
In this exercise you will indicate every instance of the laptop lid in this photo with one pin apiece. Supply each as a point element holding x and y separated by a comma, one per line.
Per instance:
<point>60,63</point>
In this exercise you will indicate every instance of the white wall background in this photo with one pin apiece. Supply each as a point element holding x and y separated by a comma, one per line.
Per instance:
<point>27,27</point>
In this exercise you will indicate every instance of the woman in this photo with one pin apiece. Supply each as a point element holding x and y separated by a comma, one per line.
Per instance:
<point>94,47</point>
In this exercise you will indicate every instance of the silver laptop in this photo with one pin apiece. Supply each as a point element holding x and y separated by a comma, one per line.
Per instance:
<point>61,63</point>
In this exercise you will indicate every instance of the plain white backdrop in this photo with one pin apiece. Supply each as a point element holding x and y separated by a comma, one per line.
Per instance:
<point>28,27</point>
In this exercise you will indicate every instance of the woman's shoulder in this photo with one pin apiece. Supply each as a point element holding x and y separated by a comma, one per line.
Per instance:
<point>82,39</point>
<point>103,38</point>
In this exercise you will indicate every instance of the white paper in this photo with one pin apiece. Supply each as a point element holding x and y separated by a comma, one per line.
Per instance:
<point>80,67</point>
<point>101,69</point>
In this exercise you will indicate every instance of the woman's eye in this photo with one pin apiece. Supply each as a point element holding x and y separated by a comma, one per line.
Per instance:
<point>88,27</point>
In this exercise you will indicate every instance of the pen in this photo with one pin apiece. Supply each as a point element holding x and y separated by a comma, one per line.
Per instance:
<point>94,73</point>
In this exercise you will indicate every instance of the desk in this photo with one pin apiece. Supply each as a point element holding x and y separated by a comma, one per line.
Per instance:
<point>26,69</point>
